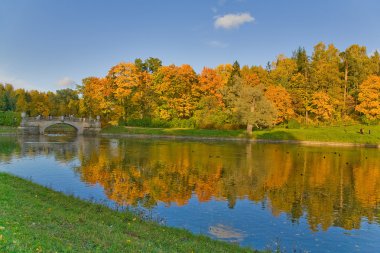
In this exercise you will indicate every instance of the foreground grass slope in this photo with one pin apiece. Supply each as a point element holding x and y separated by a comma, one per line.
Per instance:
<point>36,219</point>
<point>347,134</point>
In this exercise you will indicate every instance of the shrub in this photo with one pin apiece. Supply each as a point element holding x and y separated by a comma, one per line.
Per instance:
<point>183,123</point>
<point>147,122</point>
<point>9,118</point>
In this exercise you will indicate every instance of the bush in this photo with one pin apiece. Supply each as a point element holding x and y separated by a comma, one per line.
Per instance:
<point>183,123</point>
<point>293,124</point>
<point>9,118</point>
<point>215,119</point>
<point>147,122</point>
<point>369,122</point>
<point>159,123</point>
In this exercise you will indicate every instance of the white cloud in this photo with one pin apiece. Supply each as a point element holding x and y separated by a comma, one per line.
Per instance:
<point>218,44</point>
<point>66,82</point>
<point>230,21</point>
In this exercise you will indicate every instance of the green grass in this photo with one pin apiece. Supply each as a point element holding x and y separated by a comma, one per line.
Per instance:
<point>8,129</point>
<point>175,132</point>
<point>346,134</point>
<point>36,219</point>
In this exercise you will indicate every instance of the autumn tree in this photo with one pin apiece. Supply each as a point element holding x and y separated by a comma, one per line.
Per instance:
<point>249,104</point>
<point>22,100</point>
<point>224,71</point>
<point>369,98</point>
<point>375,63</point>
<point>283,70</point>
<point>210,85</point>
<point>210,107</point>
<point>38,104</point>
<point>249,76</point>
<point>356,66</point>
<point>124,81</point>
<point>282,101</point>
<point>325,73</point>
<point>98,99</point>
<point>322,106</point>
<point>174,87</point>
<point>67,102</point>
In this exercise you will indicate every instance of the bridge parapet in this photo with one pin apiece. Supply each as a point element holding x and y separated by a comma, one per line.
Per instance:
<point>61,118</point>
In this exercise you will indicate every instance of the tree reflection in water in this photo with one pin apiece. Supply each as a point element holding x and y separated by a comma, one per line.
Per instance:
<point>329,186</point>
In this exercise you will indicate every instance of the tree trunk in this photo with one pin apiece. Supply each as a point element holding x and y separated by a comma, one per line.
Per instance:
<point>249,128</point>
<point>345,88</point>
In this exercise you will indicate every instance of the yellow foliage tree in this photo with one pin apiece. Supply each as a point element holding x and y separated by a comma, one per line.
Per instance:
<point>125,79</point>
<point>175,87</point>
<point>369,98</point>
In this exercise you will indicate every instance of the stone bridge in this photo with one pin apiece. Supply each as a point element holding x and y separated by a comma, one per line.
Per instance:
<point>37,125</point>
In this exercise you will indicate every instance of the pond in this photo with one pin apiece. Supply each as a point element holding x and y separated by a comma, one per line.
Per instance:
<point>318,199</point>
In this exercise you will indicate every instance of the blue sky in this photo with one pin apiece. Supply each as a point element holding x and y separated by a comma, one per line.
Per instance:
<point>52,44</point>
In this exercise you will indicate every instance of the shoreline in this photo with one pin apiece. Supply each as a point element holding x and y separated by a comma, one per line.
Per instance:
<point>229,139</point>
<point>236,139</point>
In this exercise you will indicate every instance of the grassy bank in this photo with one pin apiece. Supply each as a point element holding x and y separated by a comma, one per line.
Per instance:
<point>175,132</point>
<point>346,134</point>
<point>36,219</point>
<point>8,129</point>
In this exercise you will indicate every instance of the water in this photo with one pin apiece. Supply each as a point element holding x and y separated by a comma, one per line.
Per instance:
<point>315,199</point>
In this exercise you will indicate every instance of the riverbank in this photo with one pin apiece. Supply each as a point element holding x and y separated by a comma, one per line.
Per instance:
<point>332,136</point>
<point>321,136</point>
<point>36,219</point>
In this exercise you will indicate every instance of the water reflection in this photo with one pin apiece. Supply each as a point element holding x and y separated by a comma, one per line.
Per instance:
<point>329,186</point>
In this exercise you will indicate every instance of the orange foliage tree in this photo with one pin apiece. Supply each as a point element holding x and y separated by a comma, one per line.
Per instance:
<point>282,101</point>
<point>322,106</point>
<point>98,99</point>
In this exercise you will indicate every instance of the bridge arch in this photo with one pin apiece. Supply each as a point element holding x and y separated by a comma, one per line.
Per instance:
<point>47,124</point>
<point>63,127</point>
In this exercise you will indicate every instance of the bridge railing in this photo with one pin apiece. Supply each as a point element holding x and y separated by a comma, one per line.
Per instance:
<point>60,118</point>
